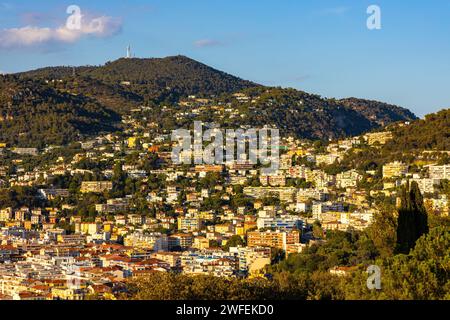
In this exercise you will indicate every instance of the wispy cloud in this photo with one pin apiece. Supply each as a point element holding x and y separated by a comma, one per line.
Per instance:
<point>36,18</point>
<point>32,36</point>
<point>204,43</point>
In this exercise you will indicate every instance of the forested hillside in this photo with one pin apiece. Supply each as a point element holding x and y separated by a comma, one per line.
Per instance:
<point>431,133</point>
<point>381,113</point>
<point>32,114</point>
<point>159,78</point>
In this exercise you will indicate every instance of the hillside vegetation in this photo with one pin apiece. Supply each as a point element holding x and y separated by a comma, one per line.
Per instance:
<point>32,114</point>
<point>56,105</point>
<point>158,78</point>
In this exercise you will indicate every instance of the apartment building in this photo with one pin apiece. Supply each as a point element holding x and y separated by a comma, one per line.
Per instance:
<point>323,207</point>
<point>189,224</point>
<point>286,222</point>
<point>378,137</point>
<point>439,172</point>
<point>394,169</point>
<point>273,239</point>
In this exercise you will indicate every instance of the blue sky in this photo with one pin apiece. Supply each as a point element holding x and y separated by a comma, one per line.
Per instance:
<point>320,46</point>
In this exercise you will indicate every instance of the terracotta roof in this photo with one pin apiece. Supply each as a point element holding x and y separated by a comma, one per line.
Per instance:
<point>7,247</point>
<point>40,287</point>
<point>100,288</point>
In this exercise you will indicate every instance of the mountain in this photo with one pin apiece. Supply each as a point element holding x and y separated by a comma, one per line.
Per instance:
<point>78,101</point>
<point>156,78</point>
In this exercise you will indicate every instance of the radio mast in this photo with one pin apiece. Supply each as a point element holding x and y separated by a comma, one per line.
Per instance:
<point>129,52</point>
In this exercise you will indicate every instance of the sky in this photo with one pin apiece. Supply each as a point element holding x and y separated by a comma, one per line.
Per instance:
<point>319,46</point>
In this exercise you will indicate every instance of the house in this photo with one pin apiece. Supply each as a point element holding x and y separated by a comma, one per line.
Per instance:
<point>95,186</point>
<point>342,271</point>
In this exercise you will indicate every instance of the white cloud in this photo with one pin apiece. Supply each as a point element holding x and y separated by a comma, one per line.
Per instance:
<point>207,43</point>
<point>30,36</point>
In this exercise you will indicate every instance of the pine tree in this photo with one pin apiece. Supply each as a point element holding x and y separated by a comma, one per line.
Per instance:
<point>118,179</point>
<point>412,218</point>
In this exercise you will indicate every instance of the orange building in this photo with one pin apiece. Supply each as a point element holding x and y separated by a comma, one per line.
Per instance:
<point>209,168</point>
<point>273,239</point>
<point>154,149</point>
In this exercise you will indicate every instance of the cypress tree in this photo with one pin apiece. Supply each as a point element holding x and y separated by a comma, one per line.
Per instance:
<point>412,218</point>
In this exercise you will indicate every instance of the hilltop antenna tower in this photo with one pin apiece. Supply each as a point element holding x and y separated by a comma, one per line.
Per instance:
<point>129,52</point>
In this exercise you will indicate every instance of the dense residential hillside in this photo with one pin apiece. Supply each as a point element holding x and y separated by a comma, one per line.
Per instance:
<point>425,139</point>
<point>33,114</point>
<point>57,104</point>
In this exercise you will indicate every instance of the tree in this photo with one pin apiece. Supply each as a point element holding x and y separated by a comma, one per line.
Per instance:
<point>119,181</point>
<point>277,255</point>
<point>234,241</point>
<point>412,218</point>
<point>214,244</point>
<point>383,233</point>
<point>317,230</point>
<point>423,274</point>
<point>170,286</point>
